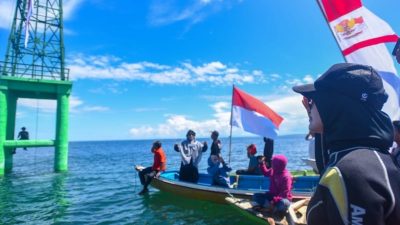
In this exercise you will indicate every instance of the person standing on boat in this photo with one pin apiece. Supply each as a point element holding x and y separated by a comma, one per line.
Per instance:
<point>216,145</point>
<point>252,169</point>
<point>159,165</point>
<point>268,150</point>
<point>361,183</point>
<point>191,151</point>
<point>279,196</point>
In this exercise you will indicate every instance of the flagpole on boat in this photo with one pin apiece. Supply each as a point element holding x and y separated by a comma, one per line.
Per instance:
<point>333,34</point>
<point>230,135</point>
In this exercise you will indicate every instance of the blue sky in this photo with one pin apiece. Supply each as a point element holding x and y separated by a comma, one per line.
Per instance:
<point>153,69</point>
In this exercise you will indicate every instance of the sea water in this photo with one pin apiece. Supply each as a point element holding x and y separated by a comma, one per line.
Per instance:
<point>101,184</point>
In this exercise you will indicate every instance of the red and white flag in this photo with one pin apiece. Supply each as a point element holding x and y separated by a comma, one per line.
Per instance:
<point>361,36</point>
<point>253,116</point>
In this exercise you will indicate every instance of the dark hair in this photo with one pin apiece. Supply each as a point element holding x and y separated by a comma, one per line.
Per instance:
<point>190,132</point>
<point>396,125</point>
<point>215,133</point>
<point>157,144</point>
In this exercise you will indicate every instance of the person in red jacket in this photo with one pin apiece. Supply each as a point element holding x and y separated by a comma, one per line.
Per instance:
<point>159,165</point>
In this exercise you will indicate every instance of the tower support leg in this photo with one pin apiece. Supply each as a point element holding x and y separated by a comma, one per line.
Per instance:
<point>12,110</point>
<point>61,148</point>
<point>3,128</point>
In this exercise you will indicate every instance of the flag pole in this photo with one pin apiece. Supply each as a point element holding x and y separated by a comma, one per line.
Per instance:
<point>329,27</point>
<point>230,135</point>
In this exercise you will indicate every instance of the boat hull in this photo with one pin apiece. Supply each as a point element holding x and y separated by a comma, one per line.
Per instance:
<point>169,182</point>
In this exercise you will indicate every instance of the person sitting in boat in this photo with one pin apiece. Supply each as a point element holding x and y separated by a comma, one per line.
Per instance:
<point>191,151</point>
<point>279,196</point>
<point>159,165</point>
<point>219,174</point>
<point>216,144</point>
<point>253,164</point>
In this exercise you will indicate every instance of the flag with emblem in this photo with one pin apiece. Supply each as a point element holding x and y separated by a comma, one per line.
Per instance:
<point>361,36</point>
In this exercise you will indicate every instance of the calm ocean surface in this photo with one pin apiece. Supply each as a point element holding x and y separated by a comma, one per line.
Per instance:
<point>101,185</point>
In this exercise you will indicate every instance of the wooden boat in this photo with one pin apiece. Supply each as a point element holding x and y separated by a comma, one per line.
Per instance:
<point>244,186</point>
<point>296,213</point>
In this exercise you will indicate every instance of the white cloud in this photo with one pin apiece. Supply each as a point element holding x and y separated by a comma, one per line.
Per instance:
<point>148,109</point>
<point>175,126</point>
<point>164,12</point>
<point>69,7</point>
<point>95,109</point>
<point>7,8</point>
<point>50,106</point>
<point>307,79</point>
<point>110,67</point>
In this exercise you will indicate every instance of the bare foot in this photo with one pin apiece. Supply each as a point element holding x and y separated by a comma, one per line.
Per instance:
<point>270,221</point>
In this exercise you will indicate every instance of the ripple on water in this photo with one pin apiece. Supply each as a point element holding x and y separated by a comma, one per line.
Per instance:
<point>101,186</point>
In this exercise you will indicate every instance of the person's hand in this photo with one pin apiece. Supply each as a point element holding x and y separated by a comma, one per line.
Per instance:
<point>265,139</point>
<point>221,160</point>
<point>176,148</point>
<point>205,144</point>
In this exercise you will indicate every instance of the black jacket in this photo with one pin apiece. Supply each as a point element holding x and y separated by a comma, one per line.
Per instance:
<point>361,184</point>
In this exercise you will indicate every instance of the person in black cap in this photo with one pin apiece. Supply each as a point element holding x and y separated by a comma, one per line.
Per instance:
<point>361,183</point>
<point>191,151</point>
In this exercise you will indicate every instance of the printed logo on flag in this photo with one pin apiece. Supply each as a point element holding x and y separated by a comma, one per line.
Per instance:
<point>349,28</point>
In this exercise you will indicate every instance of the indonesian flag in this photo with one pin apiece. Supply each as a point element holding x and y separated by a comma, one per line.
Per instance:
<point>361,36</point>
<point>253,116</point>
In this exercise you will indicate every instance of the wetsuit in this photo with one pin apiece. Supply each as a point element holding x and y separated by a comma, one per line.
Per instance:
<point>361,182</point>
<point>345,197</point>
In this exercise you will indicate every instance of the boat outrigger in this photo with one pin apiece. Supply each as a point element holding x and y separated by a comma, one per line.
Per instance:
<point>244,186</point>
<point>296,214</point>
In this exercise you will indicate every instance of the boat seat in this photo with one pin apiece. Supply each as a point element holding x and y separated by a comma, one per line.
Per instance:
<point>205,179</point>
<point>253,182</point>
<point>305,183</point>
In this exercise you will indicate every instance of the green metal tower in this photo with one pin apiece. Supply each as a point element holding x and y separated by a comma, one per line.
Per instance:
<point>34,68</point>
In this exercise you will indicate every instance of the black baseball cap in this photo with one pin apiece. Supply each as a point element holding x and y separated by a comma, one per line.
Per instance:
<point>359,82</point>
